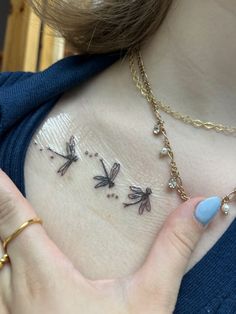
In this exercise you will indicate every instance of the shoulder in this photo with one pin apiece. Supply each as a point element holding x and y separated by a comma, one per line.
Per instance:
<point>22,93</point>
<point>9,78</point>
<point>69,70</point>
<point>81,65</point>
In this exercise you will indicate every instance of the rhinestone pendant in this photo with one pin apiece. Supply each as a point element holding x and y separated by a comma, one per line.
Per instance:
<point>172,183</point>
<point>225,209</point>
<point>156,129</point>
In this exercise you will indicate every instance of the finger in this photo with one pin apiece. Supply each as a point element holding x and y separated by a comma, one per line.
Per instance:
<point>32,244</point>
<point>5,278</point>
<point>162,272</point>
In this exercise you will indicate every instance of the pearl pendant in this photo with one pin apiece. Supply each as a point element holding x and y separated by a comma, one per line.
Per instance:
<point>156,129</point>
<point>164,151</point>
<point>225,209</point>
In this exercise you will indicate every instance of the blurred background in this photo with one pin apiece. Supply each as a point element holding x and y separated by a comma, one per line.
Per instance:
<point>26,44</point>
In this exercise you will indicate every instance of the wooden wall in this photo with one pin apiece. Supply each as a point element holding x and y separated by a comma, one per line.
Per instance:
<point>29,45</point>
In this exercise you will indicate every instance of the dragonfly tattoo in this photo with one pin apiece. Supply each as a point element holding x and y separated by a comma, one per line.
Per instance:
<point>70,156</point>
<point>143,198</point>
<point>108,179</point>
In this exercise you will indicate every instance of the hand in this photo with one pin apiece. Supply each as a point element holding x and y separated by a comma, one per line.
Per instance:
<point>41,279</point>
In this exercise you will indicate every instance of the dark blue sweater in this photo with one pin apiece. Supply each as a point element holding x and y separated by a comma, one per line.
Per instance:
<point>26,98</point>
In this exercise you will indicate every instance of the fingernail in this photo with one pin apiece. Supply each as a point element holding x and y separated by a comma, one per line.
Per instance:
<point>207,209</point>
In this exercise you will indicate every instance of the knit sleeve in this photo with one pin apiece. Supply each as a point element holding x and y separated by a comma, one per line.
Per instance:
<point>9,78</point>
<point>11,95</point>
<point>223,304</point>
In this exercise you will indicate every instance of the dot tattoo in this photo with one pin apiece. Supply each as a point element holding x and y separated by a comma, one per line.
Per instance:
<point>113,195</point>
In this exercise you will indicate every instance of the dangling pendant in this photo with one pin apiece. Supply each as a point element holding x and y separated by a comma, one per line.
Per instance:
<point>172,183</point>
<point>225,208</point>
<point>156,129</point>
<point>164,151</point>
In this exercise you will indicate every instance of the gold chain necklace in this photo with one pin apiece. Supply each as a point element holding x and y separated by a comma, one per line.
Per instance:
<point>143,84</point>
<point>147,92</point>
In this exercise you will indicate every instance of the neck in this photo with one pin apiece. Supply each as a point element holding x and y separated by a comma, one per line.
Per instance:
<point>190,60</point>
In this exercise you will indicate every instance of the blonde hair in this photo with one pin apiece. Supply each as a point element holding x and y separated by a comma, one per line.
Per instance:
<point>101,26</point>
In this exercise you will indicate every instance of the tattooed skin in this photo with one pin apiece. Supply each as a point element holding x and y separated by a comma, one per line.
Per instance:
<point>108,179</point>
<point>71,156</point>
<point>142,198</point>
<point>137,194</point>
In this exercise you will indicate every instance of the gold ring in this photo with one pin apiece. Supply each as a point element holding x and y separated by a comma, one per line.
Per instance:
<point>5,259</point>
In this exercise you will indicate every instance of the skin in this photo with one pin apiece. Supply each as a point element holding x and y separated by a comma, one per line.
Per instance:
<point>41,279</point>
<point>108,116</point>
<point>190,59</point>
<point>116,122</point>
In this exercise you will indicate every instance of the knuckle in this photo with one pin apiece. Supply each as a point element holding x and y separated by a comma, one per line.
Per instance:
<point>182,240</point>
<point>8,207</point>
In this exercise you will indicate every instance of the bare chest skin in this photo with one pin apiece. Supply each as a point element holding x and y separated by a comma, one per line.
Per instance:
<point>112,122</point>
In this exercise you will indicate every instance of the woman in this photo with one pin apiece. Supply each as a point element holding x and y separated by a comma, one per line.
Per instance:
<point>117,236</point>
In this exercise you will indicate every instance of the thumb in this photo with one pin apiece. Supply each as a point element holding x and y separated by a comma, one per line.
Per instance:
<point>162,272</point>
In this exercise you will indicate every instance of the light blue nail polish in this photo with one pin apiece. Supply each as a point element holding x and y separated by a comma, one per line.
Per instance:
<point>207,209</point>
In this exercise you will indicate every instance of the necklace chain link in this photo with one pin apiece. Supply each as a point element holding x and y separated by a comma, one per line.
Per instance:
<point>146,91</point>
<point>145,88</point>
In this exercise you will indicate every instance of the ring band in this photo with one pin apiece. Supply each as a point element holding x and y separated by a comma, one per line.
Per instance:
<point>19,230</point>
<point>5,259</point>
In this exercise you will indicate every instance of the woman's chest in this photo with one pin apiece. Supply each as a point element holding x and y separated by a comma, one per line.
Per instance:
<point>79,185</point>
